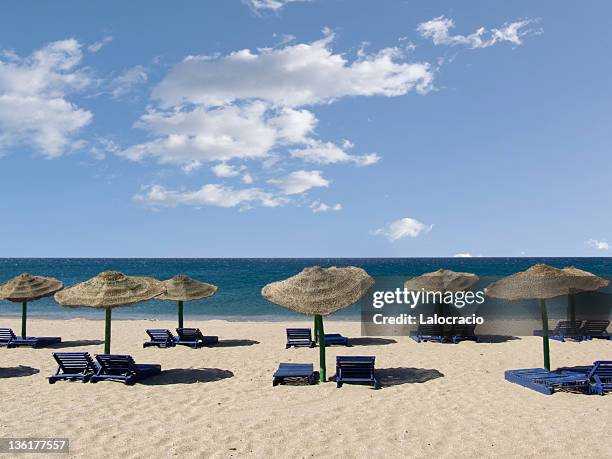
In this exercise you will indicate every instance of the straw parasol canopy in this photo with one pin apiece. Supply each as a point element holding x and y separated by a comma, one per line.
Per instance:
<point>543,282</point>
<point>24,288</point>
<point>319,292</point>
<point>183,288</point>
<point>442,280</point>
<point>108,290</point>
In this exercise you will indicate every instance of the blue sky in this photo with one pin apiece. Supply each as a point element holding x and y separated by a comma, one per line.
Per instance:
<point>318,128</point>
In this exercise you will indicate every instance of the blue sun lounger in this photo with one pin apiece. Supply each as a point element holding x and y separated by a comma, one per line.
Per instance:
<point>565,329</point>
<point>355,369</point>
<point>160,337</point>
<point>74,366</point>
<point>547,382</point>
<point>9,339</point>
<point>595,329</point>
<point>298,337</point>
<point>460,333</point>
<point>601,377</point>
<point>429,333</point>
<point>122,368</point>
<point>293,371</point>
<point>336,339</point>
<point>194,338</point>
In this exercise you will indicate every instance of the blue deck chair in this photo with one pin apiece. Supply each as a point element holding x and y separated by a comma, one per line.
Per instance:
<point>359,369</point>
<point>122,368</point>
<point>194,338</point>
<point>460,333</point>
<point>565,329</point>
<point>600,376</point>
<point>547,382</point>
<point>299,337</point>
<point>160,337</point>
<point>426,332</point>
<point>9,339</point>
<point>595,329</point>
<point>293,371</point>
<point>336,339</point>
<point>74,366</point>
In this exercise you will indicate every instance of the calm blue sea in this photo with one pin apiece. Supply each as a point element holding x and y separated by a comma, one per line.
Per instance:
<point>240,280</point>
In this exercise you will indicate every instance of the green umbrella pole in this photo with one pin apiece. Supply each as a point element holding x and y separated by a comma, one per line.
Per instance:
<point>107,331</point>
<point>180,314</point>
<point>321,333</point>
<point>571,306</point>
<point>24,318</point>
<point>545,341</point>
<point>316,331</point>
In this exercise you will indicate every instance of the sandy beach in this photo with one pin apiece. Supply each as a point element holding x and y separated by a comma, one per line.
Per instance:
<point>437,400</point>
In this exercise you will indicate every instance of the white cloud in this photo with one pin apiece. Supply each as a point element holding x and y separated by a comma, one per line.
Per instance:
<point>300,181</point>
<point>225,170</point>
<point>438,29</point>
<point>129,79</point>
<point>247,179</point>
<point>329,153</point>
<point>599,245</point>
<point>34,109</point>
<point>404,227</point>
<point>463,255</point>
<point>271,5</point>
<point>97,46</point>
<point>318,206</point>
<point>295,75</point>
<point>209,195</point>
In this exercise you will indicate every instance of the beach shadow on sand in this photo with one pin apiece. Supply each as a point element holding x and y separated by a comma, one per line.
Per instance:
<point>236,342</point>
<point>76,343</point>
<point>367,341</point>
<point>496,338</point>
<point>188,376</point>
<point>403,375</point>
<point>17,372</point>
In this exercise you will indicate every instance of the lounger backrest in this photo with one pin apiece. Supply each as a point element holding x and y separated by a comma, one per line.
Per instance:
<point>117,364</point>
<point>75,362</point>
<point>160,334</point>
<point>568,326</point>
<point>602,369</point>
<point>299,334</point>
<point>189,334</point>
<point>355,365</point>
<point>595,327</point>
<point>6,335</point>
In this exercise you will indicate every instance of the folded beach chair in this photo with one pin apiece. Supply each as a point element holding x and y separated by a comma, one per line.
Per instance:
<point>565,329</point>
<point>74,366</point>
<point>355,369</point>
<point>160,337</point>
<point>9,339</point>
<point>462,333</point>
<point>426,332</point>
<point>122,368</point>
<point>294,371</point>
<point>194,338</point>
<point>601,377</point>
<point>336,339</point>
<point>547,382</point>
<point>299,337</point>
<point>595,329</point>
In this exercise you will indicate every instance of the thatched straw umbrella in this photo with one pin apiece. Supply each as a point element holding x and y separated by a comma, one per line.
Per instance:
<point>442,280</point>
<point>319,292</point>
<point>183,288</point>
<point>24,288</point>
<point>542,282</point>
<point>109,290</point>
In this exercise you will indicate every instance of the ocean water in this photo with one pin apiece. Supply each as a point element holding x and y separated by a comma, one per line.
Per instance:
<point>240,281</point>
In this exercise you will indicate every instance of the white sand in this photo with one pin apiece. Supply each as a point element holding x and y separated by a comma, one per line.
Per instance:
<point>219,402</point>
